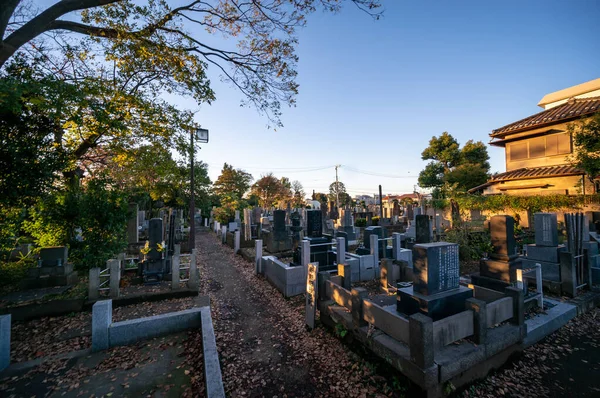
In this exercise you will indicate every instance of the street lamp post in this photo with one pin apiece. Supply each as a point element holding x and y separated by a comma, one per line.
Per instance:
<point>202,136</point>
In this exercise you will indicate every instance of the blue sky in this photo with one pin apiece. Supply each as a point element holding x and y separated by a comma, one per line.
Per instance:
<point>372,93</point>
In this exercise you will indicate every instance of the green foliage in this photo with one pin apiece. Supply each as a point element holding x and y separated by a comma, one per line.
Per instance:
<point>375,220</point>
<point>232,181</point>
<point>298,194</point>
<point>361,222</point>
<point>513,203</point>
<point>339,189</point>
<point>29,159</point>
<point>229,204</point>
<point>473,244</point>
<point>586,142</point>
<point>340,330</point>
<point>449,388</point>
<point>12,272</point>
<point>11,220</point>
<point>443,149</point>
<point>271,190</point>
<point>154,47</point>
<point>453,169</point>
<point>100,211</point>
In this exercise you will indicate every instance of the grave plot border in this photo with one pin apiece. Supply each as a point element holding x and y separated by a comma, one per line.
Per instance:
<point>106,334</point>
<point>429,353</point>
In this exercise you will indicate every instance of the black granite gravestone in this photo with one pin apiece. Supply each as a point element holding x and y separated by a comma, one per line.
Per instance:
<point>436,291</point>
<point>500,270</point>
<point>502,232</point>
<point>436,267</point>
<point>314,223</point>
<point>423,228</point>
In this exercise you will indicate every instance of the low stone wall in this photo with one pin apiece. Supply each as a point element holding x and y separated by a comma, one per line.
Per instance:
<point>429,353</point>
<point>5,322</point>
<point>106,334</point>
<point>291,281</point>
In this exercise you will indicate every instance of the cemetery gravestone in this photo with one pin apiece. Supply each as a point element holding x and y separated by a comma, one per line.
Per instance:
<point>54,256</point>
<point>153,267</point>
<point>500,270</point>
<point>132,224</point>
<point>423,228</point>
<point>502,232</point>
<point>53,269</point>
<point>436,291</point>
<point>278,238</point>
<point>314,224</point>
<point>546,250</point>
<point>546,229</point>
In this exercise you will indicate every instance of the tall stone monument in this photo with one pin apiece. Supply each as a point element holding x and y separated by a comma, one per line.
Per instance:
<point>546,250</point>
<point>278,239</point>
<point>132,224</point>
<point>500,270</point>
<point>436,291</point>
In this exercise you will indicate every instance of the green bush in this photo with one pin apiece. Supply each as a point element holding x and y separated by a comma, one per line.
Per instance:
<point>98,209</point>
<point>361,222</point>
<point>12,272</point>
<point>375,220</point>
<point>473,245</point>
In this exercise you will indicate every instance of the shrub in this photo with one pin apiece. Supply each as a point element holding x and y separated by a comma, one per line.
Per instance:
<point>361,222</point>
<point>101,213</point>
<point>11,272</point>
<point>473,245</point>
<point>375,220</point>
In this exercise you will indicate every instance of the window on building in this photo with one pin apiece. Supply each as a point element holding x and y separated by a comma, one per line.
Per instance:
<point>537,147</point>
<point>551,145</point>
<point>518,151</point>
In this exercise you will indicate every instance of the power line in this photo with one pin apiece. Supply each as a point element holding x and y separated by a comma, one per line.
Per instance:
<point>375,174</point>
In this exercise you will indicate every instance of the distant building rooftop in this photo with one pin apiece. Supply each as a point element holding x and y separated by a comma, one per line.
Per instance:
<point>553,99</point>
<point>570,110</point>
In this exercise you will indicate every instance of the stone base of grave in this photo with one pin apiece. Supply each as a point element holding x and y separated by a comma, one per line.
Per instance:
<point>489,283</point>
<point>458,364</point>
<point>153,271</point>
<point>550,270</point>
<point>40,272</point>
<point>502,270</point>
<point>361,251</point>
<point>278,245</point>
<point>46,281</point>
<point>436,306</point>
<point>350,231</point>
<point>595,276</point>
<point>545,253</point>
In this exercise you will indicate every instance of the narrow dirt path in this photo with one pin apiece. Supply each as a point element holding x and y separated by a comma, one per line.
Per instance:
<point>264,347</point>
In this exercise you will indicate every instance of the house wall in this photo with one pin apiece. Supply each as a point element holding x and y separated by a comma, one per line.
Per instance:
<point>539,161</point>
<point>570,185</point>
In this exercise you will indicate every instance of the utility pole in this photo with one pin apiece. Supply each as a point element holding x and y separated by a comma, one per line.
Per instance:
<point>337,188</point>
<point>380,204</point>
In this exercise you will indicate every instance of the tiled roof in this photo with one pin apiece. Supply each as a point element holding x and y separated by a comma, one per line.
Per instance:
<point>526,173</point>
<point>572,109</point>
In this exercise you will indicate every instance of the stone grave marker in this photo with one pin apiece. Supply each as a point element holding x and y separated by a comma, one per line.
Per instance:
<point>436,291</point>
<point>423,229</point>
<point>132,224</point>
<point>314,223</point>
<point>546,229</point>
<point>54,256</point>
<point>436,267</point>
<point>502,232</point>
